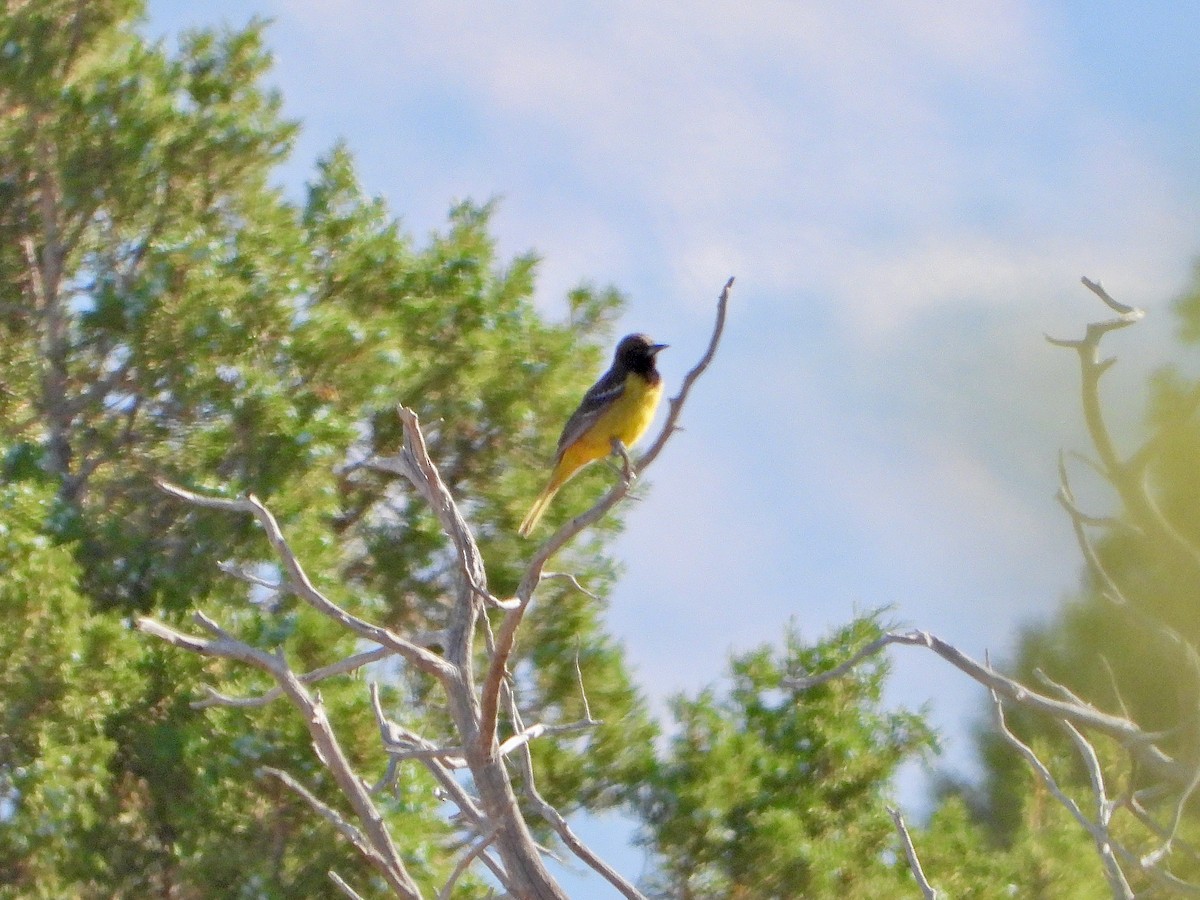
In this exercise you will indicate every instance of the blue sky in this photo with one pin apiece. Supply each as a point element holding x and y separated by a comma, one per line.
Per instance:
<point>907,193</point>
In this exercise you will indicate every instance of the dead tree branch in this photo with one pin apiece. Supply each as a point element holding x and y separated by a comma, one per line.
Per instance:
<point>299,583</point>
<point>1097,829</point>
<point>910,853</point>
<point>1125,732</point>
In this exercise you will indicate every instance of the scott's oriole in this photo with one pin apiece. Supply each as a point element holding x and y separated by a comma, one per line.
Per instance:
<point>620,405</point>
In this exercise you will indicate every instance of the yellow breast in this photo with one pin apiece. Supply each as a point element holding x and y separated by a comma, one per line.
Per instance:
<point>631,414</point>
<point>627,420</point>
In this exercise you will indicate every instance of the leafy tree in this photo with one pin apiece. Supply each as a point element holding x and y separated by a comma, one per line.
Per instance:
<point>770,792</point>
<point>170,313</point>
<point>65,670</point>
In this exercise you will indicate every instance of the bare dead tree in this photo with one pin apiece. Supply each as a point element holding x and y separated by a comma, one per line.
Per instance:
<point>1084,723</point>
<point>498,837</point>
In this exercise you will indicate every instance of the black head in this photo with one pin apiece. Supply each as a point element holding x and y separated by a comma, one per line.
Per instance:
<point>636,353</point>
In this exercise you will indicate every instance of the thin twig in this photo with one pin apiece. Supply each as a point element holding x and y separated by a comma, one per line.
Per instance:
<point>340,884</point>
<point>464,863</point>
<point>250,578</point>
<point>587,710</point>
<point>910,852</point>
<point>571,580</point>
<point>341,667</point>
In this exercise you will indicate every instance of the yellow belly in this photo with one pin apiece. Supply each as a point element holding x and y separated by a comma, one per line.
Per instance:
<point>626,420</point>
<point>630,415</point>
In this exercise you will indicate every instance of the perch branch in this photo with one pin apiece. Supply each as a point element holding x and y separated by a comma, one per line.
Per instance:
<point>506,636</point>
<point>910,853</point>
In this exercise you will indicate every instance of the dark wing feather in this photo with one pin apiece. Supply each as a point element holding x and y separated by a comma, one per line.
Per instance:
<point>598,398</point>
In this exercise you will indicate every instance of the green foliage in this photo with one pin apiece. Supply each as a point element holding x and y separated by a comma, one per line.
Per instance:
<point>766,791</point>
<point>1050,857</point>
<point>63,671</point>
<point>174,315</point>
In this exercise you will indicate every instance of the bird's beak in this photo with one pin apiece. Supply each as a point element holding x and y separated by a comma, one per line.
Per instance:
<point>656,348</point>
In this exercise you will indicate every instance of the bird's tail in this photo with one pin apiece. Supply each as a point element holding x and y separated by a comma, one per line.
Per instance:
<point>539,506</point>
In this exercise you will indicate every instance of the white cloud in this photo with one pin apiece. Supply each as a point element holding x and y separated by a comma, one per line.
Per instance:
<point>717,82</point>
<point>889,159</point>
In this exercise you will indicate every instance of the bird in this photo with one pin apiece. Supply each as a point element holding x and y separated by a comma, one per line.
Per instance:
<point>620,406</point>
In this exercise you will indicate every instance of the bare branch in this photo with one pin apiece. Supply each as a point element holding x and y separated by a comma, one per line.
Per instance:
<point>1124,476</point>
<point>250,578</point>
<point>299,582</point>
<point>1134,805</point>
<point>1110,588</point>
<point>474,721</point>
<point>587,710</point>
<point>1062,689</point>
<point>451,757</point>
<point>326,812</point>
<point>1092,368</point>
<point>808,682</point>
<point>1066,500</point>
<point>383,854</point>
<point>1125,732</point>
<point>523,737</point>
<point>424,475</point>
<point>341,667</point>
<point>1184,796</point>
<point>451,788</point>
<point>340,884</point>
<point>910,853</point>
<point>571,580</point>
<point>556,820</point>
<point>1121,308</point>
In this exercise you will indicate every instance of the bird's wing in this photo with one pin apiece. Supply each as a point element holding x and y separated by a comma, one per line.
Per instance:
<point>598,398</point>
